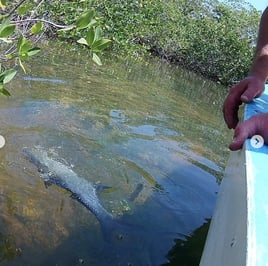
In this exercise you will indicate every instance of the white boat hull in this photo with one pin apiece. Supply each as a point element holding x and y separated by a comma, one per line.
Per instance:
<point>238,234</point>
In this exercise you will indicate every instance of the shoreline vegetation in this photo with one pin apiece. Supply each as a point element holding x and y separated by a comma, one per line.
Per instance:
<point>213,38</point>
<point>209,37</point>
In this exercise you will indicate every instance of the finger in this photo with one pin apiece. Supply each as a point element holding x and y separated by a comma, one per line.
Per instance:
<point>243,131</point>
<point>230,110</point>
<point>232,103</point>
<point>252,92</point>
<point>238,140</point>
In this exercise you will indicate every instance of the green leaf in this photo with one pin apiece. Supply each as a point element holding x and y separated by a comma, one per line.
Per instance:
<point>92,23</point>
<point>90,36</point>
<point>22,10</point>
<point>33,51</point>
<point>100,45</point>
<point>7,30</point>
<point>4,91</point>
<point>37,28</point>
<point>96,59</point>
<point>82,41</point>
<point>8,75</point>
<point>23,45</point>
<point>19,42</point>
<point>84,20</point>
<point>98,34</point>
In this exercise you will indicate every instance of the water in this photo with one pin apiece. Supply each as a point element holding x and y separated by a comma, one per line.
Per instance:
<point>152,135</point>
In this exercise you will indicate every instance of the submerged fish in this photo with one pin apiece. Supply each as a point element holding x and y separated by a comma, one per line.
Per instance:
<point>55,172</point>
<point>122,239</point>
<point>125,242</point>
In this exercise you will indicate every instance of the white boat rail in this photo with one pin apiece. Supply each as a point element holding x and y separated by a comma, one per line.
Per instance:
<point>238,234</point>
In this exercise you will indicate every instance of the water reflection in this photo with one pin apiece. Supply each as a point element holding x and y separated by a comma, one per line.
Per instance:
<point>152,134</point>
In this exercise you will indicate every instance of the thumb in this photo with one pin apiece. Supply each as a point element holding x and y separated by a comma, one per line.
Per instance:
<point>237,143</point>
<point>243,131</point>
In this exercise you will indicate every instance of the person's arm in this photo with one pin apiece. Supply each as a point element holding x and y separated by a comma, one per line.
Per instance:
<point>248,89</point>
<point>260,63</point>
<point>253,85</point>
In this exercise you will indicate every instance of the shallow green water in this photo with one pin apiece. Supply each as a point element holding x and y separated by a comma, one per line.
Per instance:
<point>152,134</point>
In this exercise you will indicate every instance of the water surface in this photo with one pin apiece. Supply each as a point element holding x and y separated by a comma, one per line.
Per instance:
<point>150,133</point>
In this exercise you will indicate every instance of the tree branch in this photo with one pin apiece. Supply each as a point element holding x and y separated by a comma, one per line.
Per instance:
<point>41,20</point>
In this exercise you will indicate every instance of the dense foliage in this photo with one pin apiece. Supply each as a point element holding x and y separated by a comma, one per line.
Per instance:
<point>207,36</point>
<point>213,38</point>
<point>210,37</point>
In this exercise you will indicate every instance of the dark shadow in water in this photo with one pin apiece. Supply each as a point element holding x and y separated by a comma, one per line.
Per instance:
<point>81,249</point>
<point>76,250</point>
<point>188,252</point>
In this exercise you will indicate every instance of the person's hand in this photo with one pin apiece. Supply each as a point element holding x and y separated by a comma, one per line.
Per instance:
<point>245,91</point>
<point>256,125</point>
